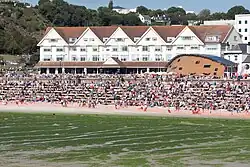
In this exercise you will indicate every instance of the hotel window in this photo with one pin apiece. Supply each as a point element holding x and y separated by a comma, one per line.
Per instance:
<point>240,22</point>
<point>211,48</point>
<point>115,49</point>
<point>169,48</point>
<point>74,58</point>
<point>59,58</point>
<point>158,57</point>
<point>95,58</point>
<point>107,49</point>
<point>235,38</point>
<point>245,38</point>
<point>154,39</point>
<point>236,58</point>
<point>83,58</point>
<point>187,38</point>
<point>91,39</point>
<point>73,48</point>
<point>47,50</point>
<point>180,48</point>
<point>145,57</point>
<point>119,40</point>
<point>194,48</point>
<point>124,57</point>
<point>95,49</point>
<point>85,39</point>
<point>47,58</point>
<point>245,21</point>
<point>239,30</point>
<point>125,48</point>
<point>53,40</point>
<point>158,48</point>
<point>83,49</point>
<point>145,49</point>
<point>59,49</point>
<point>245,29</point>
<point>147,39</point>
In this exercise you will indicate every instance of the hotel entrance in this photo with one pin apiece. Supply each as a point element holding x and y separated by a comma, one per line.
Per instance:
<point>112,71</point>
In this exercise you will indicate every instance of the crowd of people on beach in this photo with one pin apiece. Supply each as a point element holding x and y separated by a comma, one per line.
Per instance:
<point>143,91</point>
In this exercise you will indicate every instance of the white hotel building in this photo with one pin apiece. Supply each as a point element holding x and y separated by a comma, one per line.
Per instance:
<point>242,25</point>
<point>128,49</point>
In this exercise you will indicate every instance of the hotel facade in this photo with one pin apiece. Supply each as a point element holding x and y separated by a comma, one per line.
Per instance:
<point>128,49</point>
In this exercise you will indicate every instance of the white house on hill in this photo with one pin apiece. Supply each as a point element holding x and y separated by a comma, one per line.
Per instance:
<point>122,10</point>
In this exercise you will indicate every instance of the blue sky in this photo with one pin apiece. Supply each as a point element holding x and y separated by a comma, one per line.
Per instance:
<point>188,5</point>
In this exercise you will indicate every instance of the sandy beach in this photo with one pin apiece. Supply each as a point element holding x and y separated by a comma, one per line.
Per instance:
<point>110,110</point>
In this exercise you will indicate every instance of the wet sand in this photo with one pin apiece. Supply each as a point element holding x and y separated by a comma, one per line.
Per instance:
<point>42,107</point>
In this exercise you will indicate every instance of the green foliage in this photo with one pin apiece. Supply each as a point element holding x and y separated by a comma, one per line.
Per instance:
<point>143,10</point>
<point>236,10</point>
<point>204,14</point>
<point>218,16</point>
<point>20,29</point>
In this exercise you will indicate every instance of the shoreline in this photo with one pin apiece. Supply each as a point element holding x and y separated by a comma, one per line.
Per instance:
<point>48,108</point>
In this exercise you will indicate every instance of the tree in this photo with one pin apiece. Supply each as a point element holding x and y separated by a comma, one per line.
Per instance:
<point>131,19</point>
<point>142,10</point>
<point>34,59</point>
<point>236,10</point>
<point>191,16</point>
<point>2,40</point>
<point>110,5</point>
<point>176,10</point>
<point>177,15</point>
<point>204,14</point>
<point>219,16</point>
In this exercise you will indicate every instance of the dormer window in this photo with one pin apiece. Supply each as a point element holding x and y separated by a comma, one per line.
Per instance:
<point>215,38</point>
<point>73,49</point>
<point>186,38</point>
<point>119,39</point>
<point>53,40</point>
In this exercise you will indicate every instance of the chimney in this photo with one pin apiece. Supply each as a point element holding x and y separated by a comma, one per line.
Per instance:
<point>248,48</point>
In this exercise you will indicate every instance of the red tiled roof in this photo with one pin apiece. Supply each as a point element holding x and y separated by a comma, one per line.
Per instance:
<point>203,31</point>
<point>168,31</point>
<point>70,32</point>
<point>134,31</point>
<point>47,30</point>
<point>81,64</point>
<point>138,31</point>
<point>104,31</point>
